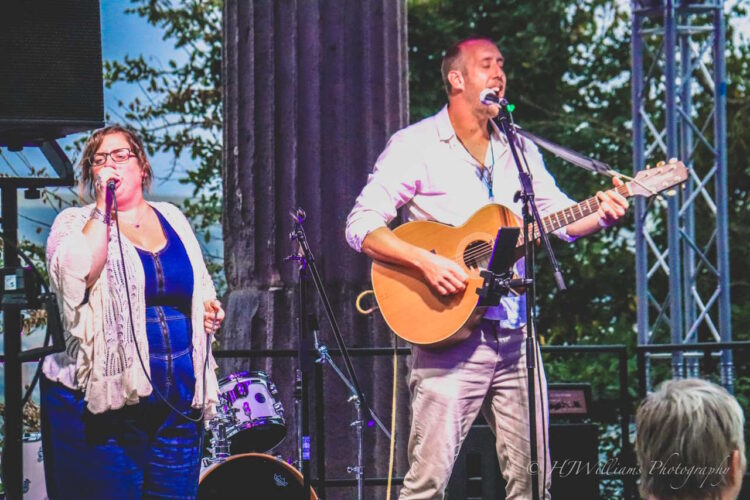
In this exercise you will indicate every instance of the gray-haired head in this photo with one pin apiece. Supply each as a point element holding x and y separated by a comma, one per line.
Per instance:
<point>687,433</point>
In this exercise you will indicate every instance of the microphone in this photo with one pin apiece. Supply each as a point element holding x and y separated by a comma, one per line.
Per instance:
<point>109,199</point>
<point>488,97</point>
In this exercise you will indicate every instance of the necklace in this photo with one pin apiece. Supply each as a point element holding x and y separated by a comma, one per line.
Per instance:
<point>137,223</point>
<point>487,171</point>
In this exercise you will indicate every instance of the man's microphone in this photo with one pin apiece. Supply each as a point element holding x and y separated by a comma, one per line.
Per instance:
<point>488,97</point>
<point>111,185</point>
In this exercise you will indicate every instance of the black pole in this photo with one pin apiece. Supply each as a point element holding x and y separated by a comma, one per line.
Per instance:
<point>12,466</point>
<point>531,220</point>
<point>641,369</point>
<point>305,364</point>
<point>530,344</point>
<point>309,262</point>
<point>320,430</point>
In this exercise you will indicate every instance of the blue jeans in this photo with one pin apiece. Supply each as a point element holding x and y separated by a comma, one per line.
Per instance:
<point>140,451</point>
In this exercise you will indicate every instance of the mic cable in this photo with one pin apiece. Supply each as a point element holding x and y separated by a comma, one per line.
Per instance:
<point>111,187</point>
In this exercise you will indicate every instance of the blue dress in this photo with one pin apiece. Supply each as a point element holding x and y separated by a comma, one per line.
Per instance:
<point>145,450</point>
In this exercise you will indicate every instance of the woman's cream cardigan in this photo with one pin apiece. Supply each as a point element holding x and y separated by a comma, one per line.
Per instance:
<point>100,357</point>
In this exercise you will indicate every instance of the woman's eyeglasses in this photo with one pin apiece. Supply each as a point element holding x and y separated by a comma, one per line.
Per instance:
<point>118,156</point>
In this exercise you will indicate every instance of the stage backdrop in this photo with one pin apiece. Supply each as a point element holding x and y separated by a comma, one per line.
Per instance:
<point>313,90</point>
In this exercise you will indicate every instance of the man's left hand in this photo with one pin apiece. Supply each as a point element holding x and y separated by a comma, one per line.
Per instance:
<point>612,205</point>
<point>213,310</point>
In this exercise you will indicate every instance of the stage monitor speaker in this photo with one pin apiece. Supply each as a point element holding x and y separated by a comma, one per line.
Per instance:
<point>573,446</point>
<point>50,69</point>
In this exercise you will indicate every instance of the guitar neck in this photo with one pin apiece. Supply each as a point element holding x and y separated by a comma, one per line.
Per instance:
<point>573,213</point>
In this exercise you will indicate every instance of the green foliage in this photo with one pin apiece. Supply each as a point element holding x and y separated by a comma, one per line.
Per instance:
<point>180,112</point>
<point>568,68</point>
<point>738,154</point>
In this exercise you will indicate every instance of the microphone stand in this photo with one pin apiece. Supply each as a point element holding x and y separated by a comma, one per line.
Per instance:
<point>304,360</point>
<point>307,264</point>
<point>531,221</point>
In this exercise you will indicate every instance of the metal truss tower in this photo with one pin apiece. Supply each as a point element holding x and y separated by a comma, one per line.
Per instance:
<point>682,241</point>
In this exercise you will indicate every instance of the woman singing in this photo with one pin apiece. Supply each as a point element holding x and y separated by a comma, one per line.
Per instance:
<point>122,408</point>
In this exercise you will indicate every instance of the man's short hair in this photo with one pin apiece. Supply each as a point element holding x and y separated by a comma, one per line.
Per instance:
<point>686,433</point>
<point>452,59</point>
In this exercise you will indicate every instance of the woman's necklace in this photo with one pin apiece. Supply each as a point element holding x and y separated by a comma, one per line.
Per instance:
<point>137,223</point>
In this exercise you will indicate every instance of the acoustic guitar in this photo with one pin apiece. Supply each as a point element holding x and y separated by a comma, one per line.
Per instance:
<point>421,316</point>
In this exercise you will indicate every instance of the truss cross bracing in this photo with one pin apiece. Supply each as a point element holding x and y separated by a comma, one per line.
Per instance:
<point>682,247</point>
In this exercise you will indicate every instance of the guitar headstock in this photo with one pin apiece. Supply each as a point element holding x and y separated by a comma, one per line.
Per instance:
<point>660,178</point>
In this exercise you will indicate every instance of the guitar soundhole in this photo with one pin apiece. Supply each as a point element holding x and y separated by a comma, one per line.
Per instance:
<point>477,254</point>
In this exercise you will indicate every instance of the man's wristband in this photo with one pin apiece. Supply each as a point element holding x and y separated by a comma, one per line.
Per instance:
<point>97,214</point>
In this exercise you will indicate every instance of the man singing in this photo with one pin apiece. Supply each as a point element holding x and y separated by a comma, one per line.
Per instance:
<point>445,168</point>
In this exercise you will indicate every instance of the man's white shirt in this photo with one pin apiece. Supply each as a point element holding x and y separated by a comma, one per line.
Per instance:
<point>425,169</point>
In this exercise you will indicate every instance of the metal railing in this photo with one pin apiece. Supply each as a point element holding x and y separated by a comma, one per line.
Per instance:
<point>321,482</point>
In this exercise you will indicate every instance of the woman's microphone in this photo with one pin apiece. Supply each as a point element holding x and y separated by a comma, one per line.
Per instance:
<point>110,198</point>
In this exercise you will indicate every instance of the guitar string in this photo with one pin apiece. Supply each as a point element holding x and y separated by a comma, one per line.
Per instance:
<point>547,221</point>
<point>483,251</point>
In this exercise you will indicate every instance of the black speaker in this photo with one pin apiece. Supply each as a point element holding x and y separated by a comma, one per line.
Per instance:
<point>573,446</point>
<point>50,69</point>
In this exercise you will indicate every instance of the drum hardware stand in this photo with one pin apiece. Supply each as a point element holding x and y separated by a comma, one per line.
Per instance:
<point>306,261</point>
<point>325,358</point>
<point>359,469</point>
<point>219,440</point>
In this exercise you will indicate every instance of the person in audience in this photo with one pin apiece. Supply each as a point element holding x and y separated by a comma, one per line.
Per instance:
<point>690,442</point>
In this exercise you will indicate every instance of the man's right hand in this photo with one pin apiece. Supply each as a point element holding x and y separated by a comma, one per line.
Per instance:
<point>442,274</point>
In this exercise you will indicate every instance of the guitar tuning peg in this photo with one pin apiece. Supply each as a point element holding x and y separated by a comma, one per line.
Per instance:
<point>648,167</point>
<point>670,193</point>
<point>661,164</point>
<point>672,160</point>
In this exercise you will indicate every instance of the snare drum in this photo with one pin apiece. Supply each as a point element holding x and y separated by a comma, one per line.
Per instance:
<point>252,475</point>
<point>249,402</point>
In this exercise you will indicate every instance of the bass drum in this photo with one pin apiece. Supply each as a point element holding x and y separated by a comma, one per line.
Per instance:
<point>252,475</point>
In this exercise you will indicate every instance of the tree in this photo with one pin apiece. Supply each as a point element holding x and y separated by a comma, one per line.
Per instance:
<point>180,110</point>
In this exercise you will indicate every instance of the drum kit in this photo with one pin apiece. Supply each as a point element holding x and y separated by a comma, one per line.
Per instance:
<point>249,424</point>
<point>250,418</point>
